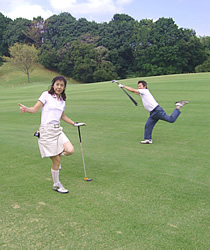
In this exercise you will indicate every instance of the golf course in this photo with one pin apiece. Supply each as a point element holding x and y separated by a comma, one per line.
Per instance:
<point>141,197</point>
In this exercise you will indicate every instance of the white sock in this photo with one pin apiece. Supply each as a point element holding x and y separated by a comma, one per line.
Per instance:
<point>55,176</point>
<point>60,167</point>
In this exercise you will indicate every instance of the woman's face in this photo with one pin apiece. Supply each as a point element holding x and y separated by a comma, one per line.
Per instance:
<point>59,87</point>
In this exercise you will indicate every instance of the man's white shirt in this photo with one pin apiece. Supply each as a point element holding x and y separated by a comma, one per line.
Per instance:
<point>148,100</point>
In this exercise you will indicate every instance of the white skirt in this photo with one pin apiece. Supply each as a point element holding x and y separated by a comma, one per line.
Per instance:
<point>51,141</point>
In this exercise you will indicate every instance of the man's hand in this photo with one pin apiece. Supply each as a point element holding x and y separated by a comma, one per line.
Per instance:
<point>121,85</point>
<point>77,124</point>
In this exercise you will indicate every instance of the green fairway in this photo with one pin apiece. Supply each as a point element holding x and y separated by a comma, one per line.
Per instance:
<point>141,197</point>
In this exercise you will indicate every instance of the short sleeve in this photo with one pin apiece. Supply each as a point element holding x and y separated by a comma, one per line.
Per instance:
<point>43,97</point>
<point>142,91</point>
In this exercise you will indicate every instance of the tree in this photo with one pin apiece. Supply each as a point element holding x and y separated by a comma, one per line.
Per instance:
<point>48,56</point>
<point>59,29</point>
<point>191,52</point>
<point>3,44</point>
<point>89,51</point>
<point>134,48</point>
<point>117,37</point>
<point>81,58</point>
<point>163,38</point>
<point>23,57</point>
<point>205,41</point>
<point>14,32</point>
<point>85,62</point>
<point>141,45</point>
<point>35,31</point>
<point>205,66</point>
<point>162,48</point>
<point>104,69</point>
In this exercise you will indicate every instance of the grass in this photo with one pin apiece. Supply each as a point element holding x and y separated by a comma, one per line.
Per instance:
<point>142,196</point>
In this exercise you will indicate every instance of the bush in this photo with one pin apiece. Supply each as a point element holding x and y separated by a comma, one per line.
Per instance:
<point>204,67</point>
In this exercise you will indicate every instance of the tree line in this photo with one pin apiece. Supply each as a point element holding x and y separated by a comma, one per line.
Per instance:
<point>124,47</point>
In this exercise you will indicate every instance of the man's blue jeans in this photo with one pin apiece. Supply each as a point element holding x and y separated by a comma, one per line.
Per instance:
<point>158,114</point>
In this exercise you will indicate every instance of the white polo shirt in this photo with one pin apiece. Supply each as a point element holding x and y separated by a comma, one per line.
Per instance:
<point>52,109</point>
<point>148,100</point>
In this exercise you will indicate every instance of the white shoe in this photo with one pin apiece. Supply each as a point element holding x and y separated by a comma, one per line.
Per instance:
<point>147,141</point>
<point>182,103</point>
<point>59,188</point>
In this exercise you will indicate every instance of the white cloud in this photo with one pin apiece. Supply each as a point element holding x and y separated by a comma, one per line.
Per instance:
<point>123,2</point>
<point>97,10</point>
<point>62,4</point>
<point>89,7</point>
<point>29,11</point>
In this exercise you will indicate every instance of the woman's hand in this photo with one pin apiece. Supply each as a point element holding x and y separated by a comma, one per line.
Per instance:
<point>22,108</point>
<point>78,124</point>
<point>32,110</point>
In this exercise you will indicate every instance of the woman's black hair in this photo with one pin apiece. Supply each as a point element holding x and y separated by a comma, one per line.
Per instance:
<point>58,78</point>
<point>143,83</point>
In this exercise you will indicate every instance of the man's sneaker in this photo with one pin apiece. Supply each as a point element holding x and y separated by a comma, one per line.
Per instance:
<point>147,141</point>
<point>182,103</point>
<point>59,188</point>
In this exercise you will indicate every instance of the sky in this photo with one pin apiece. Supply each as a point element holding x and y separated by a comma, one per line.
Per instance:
<point>189,14</point>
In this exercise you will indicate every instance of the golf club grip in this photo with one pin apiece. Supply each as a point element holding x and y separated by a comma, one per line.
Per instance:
<point>80,139</point>
<point>135,103</point>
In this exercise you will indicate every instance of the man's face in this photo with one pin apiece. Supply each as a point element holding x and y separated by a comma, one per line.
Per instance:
<point>141,86</point>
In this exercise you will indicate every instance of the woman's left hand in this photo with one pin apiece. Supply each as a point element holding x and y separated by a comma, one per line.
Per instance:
<point>78,124</point>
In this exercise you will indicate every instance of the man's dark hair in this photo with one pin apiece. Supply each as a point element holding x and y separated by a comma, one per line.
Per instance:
<point>143,83</point>
<point>58,78</point>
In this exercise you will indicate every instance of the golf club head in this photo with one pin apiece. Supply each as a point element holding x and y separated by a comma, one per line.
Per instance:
<point>114,81</point>
<point>87,179</point>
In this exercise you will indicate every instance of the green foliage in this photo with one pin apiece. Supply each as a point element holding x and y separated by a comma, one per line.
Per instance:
<point>4,21</point>
<point>35,30</point>
<point>14,31</point>
<point>23,57</point>
<point>80,60</point>
<point>59,29</point>
<point>192,53</point>
<point>162,48</point>
<point>133,47</point>
<point>48,56</point>
<point>116,36</point>
<point>205,41</point>
<point>204,67</point>
<point>104,69</point>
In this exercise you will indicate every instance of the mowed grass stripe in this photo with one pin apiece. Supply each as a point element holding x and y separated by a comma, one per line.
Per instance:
<point>142,196</point>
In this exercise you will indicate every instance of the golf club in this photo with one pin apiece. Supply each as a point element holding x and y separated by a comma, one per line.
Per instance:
<point>80,139</point>
<point>135,103</point>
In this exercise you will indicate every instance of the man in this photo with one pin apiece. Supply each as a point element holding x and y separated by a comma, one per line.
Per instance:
<point>156,112</point>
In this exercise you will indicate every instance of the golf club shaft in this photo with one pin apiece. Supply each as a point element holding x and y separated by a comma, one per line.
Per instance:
<point>135,103</point>
<point>80,138</point>
<point>83,160</point>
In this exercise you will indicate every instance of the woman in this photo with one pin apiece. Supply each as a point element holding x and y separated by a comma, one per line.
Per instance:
<point>52,141</point>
